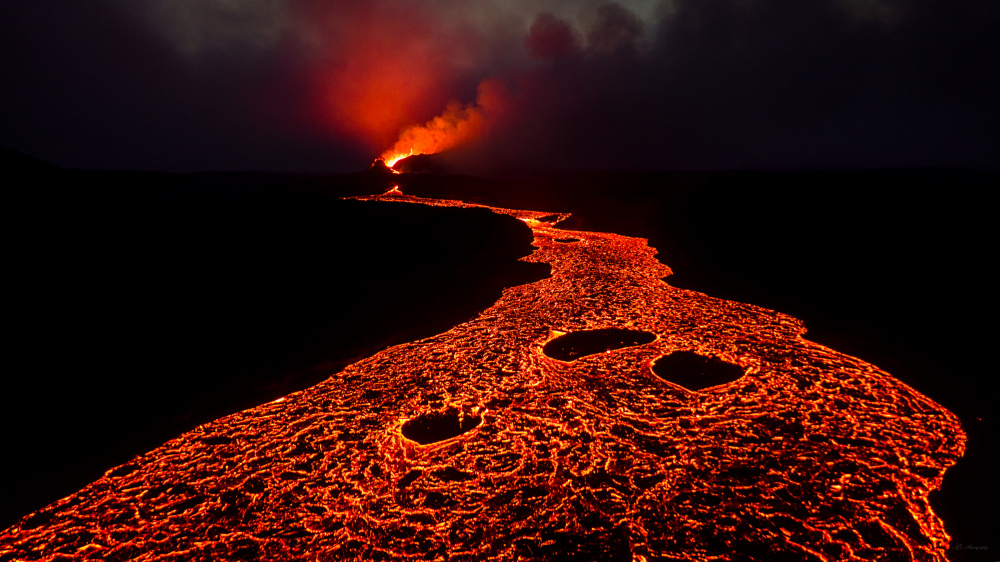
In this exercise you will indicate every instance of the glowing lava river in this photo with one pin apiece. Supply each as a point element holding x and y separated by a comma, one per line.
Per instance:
<point>598,414</point>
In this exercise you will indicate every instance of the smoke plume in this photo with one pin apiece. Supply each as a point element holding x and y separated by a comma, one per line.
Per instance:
<point>455,126</point>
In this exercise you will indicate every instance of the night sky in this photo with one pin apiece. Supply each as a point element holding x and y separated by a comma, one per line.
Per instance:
<point>313,86</point>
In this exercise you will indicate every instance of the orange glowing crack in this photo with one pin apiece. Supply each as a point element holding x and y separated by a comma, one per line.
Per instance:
<point>802,453</point>
<point>391,158</point>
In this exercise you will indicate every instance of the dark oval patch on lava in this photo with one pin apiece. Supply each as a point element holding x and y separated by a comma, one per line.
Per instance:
<point>567,240</point>
<point>588,342</point>
<point>438,426</point>
<point>695,372</point>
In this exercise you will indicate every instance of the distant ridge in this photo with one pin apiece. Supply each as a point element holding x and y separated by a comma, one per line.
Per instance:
<point>423,164</point>
<point>13,161</point>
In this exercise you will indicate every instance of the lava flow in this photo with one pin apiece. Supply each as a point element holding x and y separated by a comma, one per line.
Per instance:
<point>598,414</point>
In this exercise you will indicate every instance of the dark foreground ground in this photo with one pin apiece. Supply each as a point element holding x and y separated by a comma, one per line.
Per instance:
<point>146,304</point>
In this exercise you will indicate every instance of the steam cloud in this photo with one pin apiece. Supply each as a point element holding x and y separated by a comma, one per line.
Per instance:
<point>322,86</point>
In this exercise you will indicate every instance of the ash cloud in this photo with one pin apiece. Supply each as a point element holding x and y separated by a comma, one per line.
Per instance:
<point>324,86</point>
<point>766,84</point>
<point>551,37</point>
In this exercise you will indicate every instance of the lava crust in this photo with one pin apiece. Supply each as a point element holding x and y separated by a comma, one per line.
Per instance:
<point>570,347</point>
<point>811,455</point>
<point>432,427</point>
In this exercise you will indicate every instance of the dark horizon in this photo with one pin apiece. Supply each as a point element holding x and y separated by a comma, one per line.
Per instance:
<point>440,164</point>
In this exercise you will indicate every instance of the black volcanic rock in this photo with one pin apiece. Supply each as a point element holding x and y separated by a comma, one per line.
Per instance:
<point>694,371</point>
<point>572,346</point>
<point>432,427</point>
<point>379,168</point>
<point>423,164</point>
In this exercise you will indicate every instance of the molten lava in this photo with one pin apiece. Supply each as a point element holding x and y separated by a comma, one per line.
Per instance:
<point>391,158</point>
<point>476,445</point>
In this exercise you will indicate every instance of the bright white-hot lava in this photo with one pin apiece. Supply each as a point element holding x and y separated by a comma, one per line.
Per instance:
<point>392,159</point>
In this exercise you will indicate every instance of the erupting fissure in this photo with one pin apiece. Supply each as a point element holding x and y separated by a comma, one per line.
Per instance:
<point>392,159</point>
<point>478,444</point>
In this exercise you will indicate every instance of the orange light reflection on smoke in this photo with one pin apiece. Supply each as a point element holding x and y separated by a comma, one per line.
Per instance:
<point>457,125</point>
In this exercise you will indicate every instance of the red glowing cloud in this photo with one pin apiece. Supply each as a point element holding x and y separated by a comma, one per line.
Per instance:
<point>386,69</point>
<point>371,101</point>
